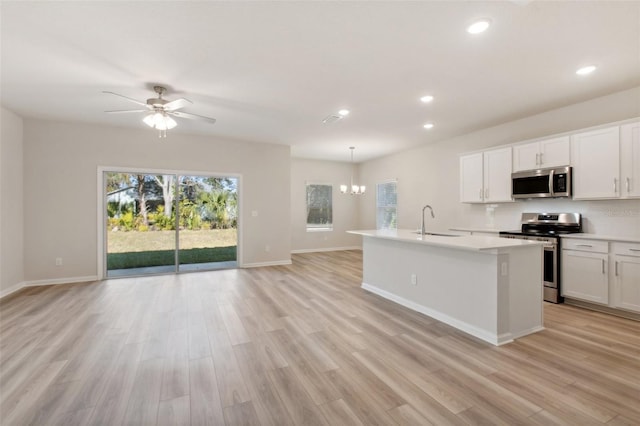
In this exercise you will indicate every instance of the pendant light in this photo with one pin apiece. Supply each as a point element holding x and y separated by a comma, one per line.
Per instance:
<point>355,189</point>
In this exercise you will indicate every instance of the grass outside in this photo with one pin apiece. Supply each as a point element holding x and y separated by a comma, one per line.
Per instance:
<point>133,249</point>
<point>135,241</point>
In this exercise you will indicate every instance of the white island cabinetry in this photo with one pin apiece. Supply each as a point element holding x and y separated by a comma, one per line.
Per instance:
<point>488,287</point>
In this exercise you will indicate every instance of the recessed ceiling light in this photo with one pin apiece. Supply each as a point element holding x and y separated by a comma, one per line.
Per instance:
<point>586,70</point>
<point>479,26</point>
<point>428,126</point>
<point>426,99</point>
<point>343,112</point>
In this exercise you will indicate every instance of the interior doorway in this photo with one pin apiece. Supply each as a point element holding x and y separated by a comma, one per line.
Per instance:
<point>158,223</point>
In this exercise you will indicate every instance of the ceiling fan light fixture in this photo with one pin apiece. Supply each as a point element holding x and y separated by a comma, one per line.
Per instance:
<point>159,111</point>
<point>169,122</point>
<point>149,120</point>
<point>160,121</point>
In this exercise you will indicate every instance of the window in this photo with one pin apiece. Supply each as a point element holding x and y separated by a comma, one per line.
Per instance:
<point>386,205</point>
<point>319,207</point>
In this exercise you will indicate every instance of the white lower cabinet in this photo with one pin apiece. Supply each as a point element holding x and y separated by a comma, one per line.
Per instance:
<point>584,276</point>
<point>627,276</point>
<point>602,272</point>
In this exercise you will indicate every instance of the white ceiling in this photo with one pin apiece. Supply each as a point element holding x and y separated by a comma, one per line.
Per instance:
<point>272,71</point>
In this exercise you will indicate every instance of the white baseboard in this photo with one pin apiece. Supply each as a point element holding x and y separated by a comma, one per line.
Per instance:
<point>12,289</point>
<point>54,281</point>
<point>261,264</point>
<point>314,250</point>
<point>488,337</point>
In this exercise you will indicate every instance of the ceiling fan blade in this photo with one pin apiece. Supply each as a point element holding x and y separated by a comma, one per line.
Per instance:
<point>192,116</point>
<point>177,104</point>
<point>128,98</point>
<point>118,111</point>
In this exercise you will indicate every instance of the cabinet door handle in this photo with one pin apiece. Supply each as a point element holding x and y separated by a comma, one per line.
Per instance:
<point>541,161</point>
<point>616,268</point>
<point>628,185</point>
<point>632,249</point>
<point>615,185</point>
<point>603,266</point>
<point>486,194</point>
<point>480,194</point>
<point>584,245</point>
<point>537,159</point>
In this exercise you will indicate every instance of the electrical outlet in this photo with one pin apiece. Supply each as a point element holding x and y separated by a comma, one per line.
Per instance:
<point>414,279</point>
<point>58,261</point>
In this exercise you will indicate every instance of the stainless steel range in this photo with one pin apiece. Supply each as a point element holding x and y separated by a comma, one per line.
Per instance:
<point>546,227</point>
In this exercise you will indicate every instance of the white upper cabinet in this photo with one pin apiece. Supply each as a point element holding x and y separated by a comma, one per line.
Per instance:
<point>630,160</point>
<point>526,157</point>
<point>497,175</point>
<point>595,157</point>
<point>555,152</point>
<point>485,177</point>
<point>541,155</point>
<point>605,162</point>
<point>471,188</point>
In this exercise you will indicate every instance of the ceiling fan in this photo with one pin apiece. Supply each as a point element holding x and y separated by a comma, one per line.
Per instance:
<point>159,112</point>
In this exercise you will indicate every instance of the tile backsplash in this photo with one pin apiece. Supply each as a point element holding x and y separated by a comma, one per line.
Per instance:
<point>607,217</point>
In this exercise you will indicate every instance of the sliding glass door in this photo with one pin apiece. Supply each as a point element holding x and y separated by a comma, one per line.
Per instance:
<point>164,223</point>
<point>207,236</point>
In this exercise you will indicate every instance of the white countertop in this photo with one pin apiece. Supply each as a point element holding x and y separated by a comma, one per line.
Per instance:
<point>585,236</point>
<point>463,242</point>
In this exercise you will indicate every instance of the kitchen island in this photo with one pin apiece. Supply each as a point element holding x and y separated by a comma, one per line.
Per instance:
<point>486,286</point>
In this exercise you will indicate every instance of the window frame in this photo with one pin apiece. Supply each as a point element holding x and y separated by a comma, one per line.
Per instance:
<point>379,207</point>
<point>318,227</point>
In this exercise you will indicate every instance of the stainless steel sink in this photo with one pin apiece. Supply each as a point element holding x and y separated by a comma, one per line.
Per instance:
<point>437,235</point>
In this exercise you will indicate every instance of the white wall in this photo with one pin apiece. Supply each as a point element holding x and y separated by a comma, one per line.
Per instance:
<point>430,174</point>
<point>11,202</point>
<point>53,211</point>
<point>60,189</point>
<point>345,206</point>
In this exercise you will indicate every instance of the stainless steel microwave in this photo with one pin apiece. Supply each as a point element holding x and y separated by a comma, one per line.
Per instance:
<point>542,183</point>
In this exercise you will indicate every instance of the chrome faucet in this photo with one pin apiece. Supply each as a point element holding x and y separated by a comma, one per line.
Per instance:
<point>423,231</point>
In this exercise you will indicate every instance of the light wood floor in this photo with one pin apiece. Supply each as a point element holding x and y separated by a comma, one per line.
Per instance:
<point>294,345</point>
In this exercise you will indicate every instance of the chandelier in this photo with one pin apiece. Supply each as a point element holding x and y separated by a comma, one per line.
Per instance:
<point>355,189</point>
